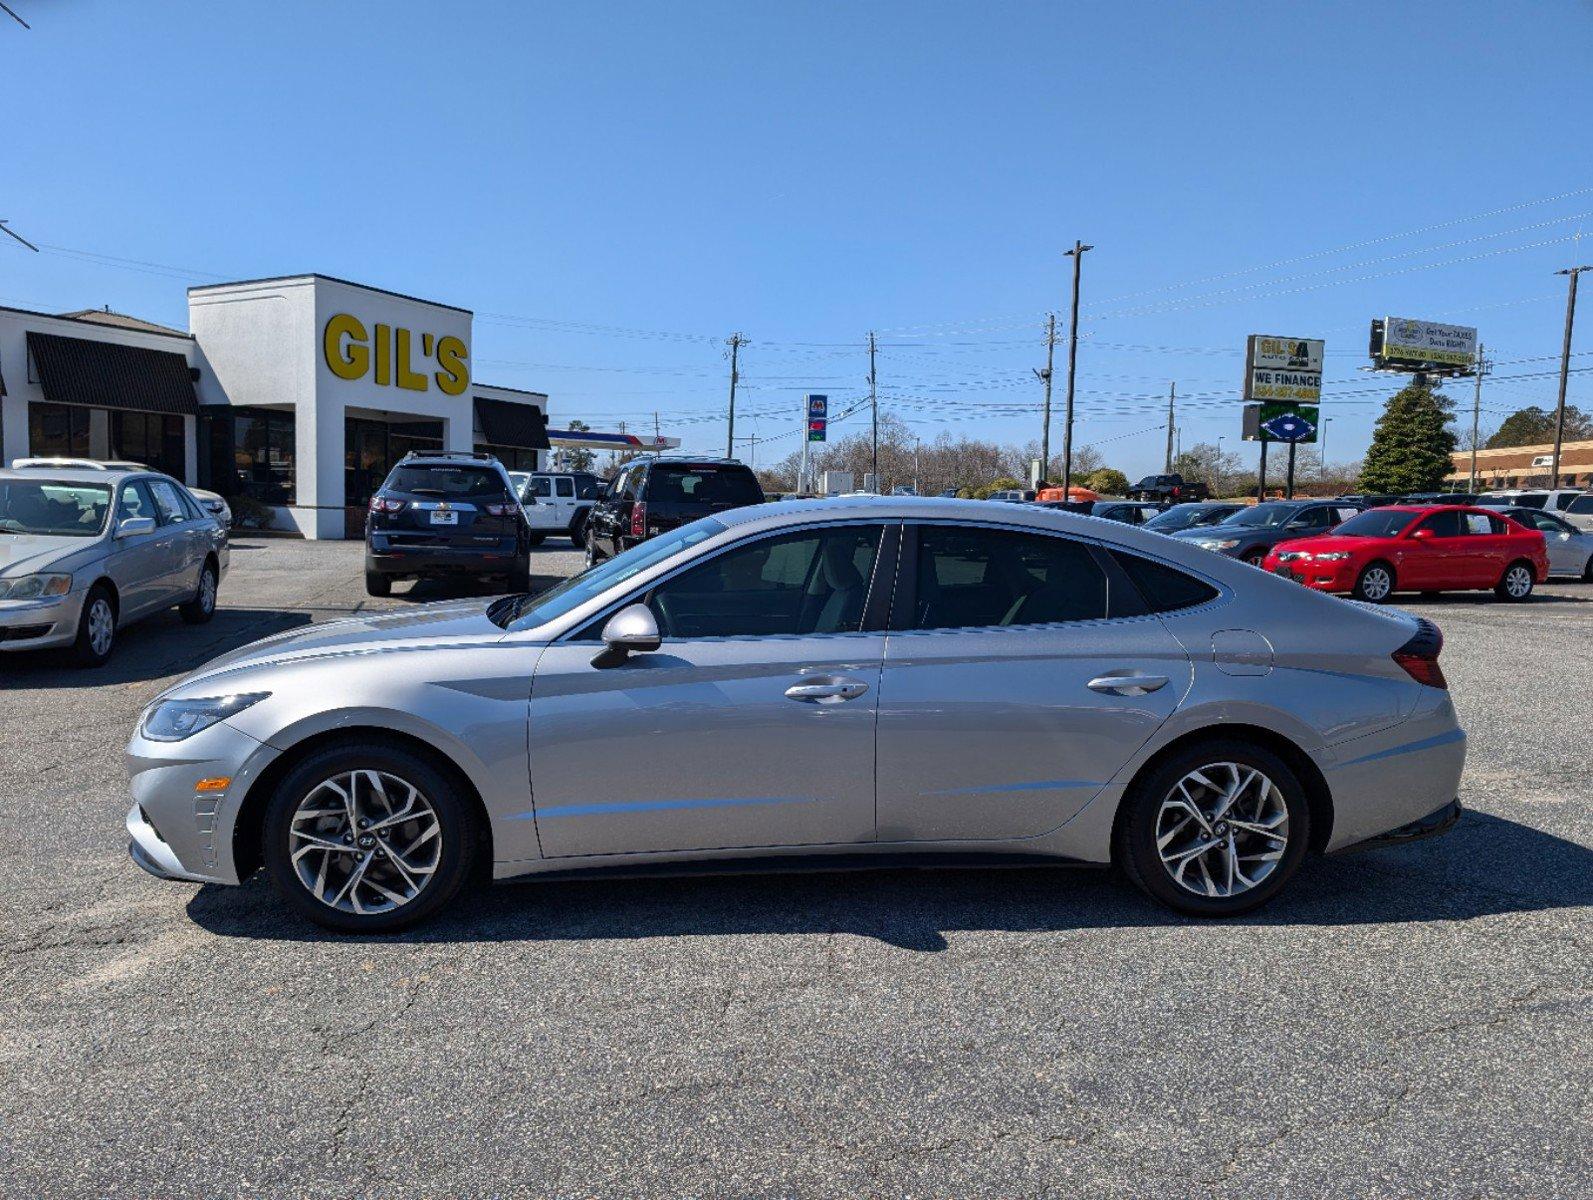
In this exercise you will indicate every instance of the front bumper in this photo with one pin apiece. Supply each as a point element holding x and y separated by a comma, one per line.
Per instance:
<point>1321,577</point>
<point>40,624</point>
<point>178,831</point>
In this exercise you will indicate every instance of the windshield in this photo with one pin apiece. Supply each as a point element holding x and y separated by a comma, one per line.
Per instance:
<point>1377,522</point>
<point>1267,516</point>
<point>58,509</point>
<point>527,612</point>
<point>445,479</point>
<point>671,483</point>
<point>1185,516</point>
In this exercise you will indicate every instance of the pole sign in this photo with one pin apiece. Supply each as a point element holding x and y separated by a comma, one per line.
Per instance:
<point>1283,368</point>
<point>1403,344</point>
<point>818,417</point>
<point>1281,421</point>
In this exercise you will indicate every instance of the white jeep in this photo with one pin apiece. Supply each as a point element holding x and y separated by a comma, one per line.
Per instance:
<point>556,503</point>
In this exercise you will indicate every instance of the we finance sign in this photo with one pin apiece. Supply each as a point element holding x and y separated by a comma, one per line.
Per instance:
<point>1283,368</point>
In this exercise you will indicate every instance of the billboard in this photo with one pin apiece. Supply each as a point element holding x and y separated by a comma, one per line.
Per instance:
<point>1402,343</point>
<point>1283,368</point>
<point>1281,421</point>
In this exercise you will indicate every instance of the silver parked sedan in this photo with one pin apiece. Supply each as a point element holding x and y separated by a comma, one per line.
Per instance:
<point>84,551</point>
<point>865,678</point>
<point>1570,549</point>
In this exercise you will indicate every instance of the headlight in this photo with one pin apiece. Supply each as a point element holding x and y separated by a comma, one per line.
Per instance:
<point>174,720</point>
<point>1333,556</point>
<point>1218,543</point>
<point>1292,555</point>
<point>34,587</point>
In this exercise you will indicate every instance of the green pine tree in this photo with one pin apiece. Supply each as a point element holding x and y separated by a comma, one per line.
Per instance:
<point>1411,443</point>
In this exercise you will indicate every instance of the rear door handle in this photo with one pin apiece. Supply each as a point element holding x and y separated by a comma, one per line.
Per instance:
<point>831,691</point>
<point>1127,685</point>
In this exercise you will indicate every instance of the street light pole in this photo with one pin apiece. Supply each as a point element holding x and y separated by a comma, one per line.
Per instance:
<point>1565,369</point>
<point>1045,377</point>
<point>1077,255</point>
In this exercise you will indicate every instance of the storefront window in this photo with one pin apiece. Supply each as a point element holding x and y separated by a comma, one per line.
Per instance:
<point>58,431</point>
<point>514,458</point>
<point>154,439</point>
<point>371,448</point>
<point>262,455</point>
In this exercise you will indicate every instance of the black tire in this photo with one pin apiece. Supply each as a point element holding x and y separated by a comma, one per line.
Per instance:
<point>1587,570</point>
<point>536,539</point>
<point>578,530</point>
<point>377,584</point>
<point>520,576</point>
<point>1255,557</point>
<point>95,640</point>
<point>1136,851</point>
<point>202,607</point>
<point>457,819</point>
<point>1517,582</point>
<point>1370,583</point>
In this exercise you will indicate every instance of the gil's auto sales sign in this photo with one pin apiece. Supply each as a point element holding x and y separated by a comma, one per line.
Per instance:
<point>1283,368</point>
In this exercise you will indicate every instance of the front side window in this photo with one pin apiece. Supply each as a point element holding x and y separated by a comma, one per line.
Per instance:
<point>1444,524</point>
<point>52,509</point>
<point>564,488</point>
<point>1377,523</point>
<point>541,487</point>
<point>813,582</point>
<point>1313,518</point>
<point>979,578</point>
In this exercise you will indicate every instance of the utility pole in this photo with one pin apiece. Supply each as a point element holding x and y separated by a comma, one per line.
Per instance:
<point>1077,255</point>
<point>873,407</point>
<point>1045,377</point>
<point>11,232</point>
<point>1565,368</point>
<point>735,343</point>
<point>1172,394</point>
<point>1476,417</point>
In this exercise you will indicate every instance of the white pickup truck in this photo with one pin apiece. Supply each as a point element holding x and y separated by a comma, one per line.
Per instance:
<point>556,503</point>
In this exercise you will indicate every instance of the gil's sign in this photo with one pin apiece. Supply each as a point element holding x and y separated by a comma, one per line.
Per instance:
<point>1283,368</point>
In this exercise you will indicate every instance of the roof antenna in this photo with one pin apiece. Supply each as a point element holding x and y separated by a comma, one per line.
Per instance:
<point>3,228</point>
<point>14,17</point>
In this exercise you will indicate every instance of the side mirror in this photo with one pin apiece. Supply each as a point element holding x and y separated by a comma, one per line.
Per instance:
<point>632,630</point>
<point>135,526</point>
<point>1422,534</point>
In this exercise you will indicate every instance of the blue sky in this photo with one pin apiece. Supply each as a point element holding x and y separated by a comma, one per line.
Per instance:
<point>615,188</point>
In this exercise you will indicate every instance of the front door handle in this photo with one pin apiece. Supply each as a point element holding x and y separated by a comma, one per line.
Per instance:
<point>830,691</point>
<point>1127,685</point>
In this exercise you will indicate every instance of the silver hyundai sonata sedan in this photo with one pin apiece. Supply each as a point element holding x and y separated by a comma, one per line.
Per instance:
<point>861,679</point>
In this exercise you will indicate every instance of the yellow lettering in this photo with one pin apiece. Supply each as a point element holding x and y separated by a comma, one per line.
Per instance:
<point>384,355</point>
<point>454,376</point>
<point>350,360</point>
<point>407,378</point>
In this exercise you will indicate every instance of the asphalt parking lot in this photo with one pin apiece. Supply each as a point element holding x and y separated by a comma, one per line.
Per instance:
<point>1403,1022</point>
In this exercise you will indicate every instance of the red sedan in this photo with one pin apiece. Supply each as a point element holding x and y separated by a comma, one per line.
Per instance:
<point>1417,548</point>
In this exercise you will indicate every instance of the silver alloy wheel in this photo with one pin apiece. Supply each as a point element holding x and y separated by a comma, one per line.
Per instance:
<point>101,626</point>
<point>1222,829</point>
<point>365,842</point>
<point>1376,583</point>
<point>207,590</point>
<point>1518,581</point>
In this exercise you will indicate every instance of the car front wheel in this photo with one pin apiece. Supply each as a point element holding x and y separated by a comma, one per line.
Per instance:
<point>96,629</point>
<point>1375,584</point>
<point>368,839</point>
<point>1216,830</point>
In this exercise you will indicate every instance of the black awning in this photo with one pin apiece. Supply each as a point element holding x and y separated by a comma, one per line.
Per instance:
<point>111,375</point>
<point>505,423</point>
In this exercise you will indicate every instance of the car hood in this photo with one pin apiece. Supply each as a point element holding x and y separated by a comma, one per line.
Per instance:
<point>1215,531</point>
<point>450,623</point>
<point>27,553</point>
<point>1325,543</point>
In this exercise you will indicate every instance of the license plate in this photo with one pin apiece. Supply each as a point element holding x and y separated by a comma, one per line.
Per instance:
<point>439,517</point>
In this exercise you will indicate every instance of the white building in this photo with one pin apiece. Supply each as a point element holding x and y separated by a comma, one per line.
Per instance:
<point>299,393</point>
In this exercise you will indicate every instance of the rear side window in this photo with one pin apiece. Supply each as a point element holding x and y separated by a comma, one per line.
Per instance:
<point>588,487</point>
<point>445,479</point>
<point>1482,523</point>
<point>672,483</point>
<point>1163,588</point>
<point>1582,505</point>
<point>980,578</point>
<point>1532,499</point>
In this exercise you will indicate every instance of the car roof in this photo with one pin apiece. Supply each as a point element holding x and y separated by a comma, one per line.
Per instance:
<point>78,474</point>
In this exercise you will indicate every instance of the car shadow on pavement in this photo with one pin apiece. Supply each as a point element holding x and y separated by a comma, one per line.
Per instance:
<point>151,648</point>
<point>1486,866</point>
<point>425,591</point>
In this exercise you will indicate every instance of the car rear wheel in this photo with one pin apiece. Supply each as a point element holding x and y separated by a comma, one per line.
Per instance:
<point>1375,583</point>
<point>368,839</point>
<point>591,549</point>
<point>520,576</point>
<point>96,628</point>
<point>1516,583</point>
<point>1216,830</point>
<point>203,606</point>
<point>536,539</point>
<point>377,584</point>
<point>578,530</point>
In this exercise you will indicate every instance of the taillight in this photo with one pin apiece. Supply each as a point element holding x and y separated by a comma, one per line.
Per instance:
<point>381,504</point>
<point>639,519</point>
<point>1419,656</point>
<point>500,510</point>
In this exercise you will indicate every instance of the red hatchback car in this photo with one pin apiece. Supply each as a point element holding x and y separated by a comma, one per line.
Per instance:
<point>1417,548</point>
